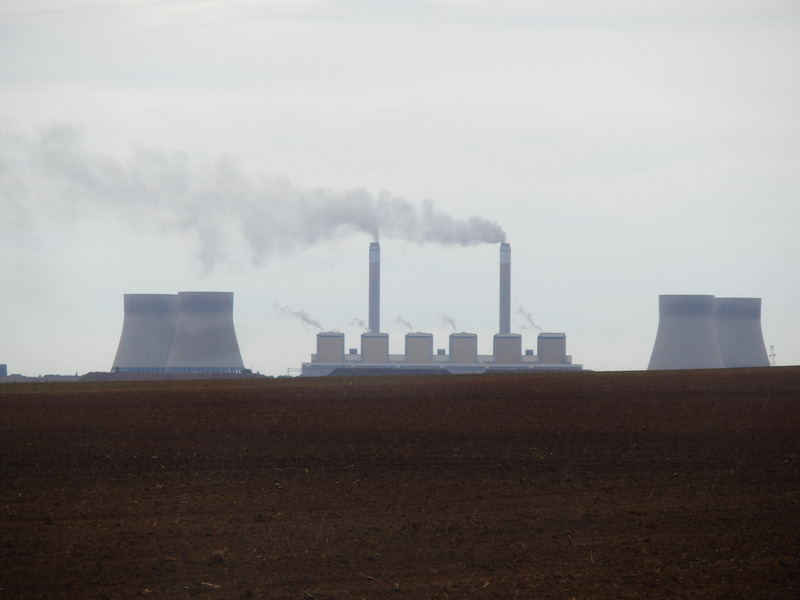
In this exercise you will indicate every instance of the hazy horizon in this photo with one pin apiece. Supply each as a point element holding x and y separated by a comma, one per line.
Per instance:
<point>624,150</point>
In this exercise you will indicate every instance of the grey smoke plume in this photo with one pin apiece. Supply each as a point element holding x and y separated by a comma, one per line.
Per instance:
<point>528,319</point>
<point>359,323</point>
<point>448,320</point>
<point>215,204</point>
<point>301,315</point>
<point>402,321</point>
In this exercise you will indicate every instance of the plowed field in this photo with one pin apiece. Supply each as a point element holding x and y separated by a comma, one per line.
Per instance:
<point>583,485</point>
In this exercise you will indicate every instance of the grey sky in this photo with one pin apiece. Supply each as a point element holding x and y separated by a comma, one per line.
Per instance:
<point>626,149</point>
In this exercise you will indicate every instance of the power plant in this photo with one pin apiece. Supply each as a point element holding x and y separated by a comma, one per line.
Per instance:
<point>193,333</point>
<point>705,332</point>
<point>187,332</point>
<point>419,356</point>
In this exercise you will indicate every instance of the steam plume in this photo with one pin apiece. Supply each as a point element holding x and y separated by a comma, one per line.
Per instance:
<point>402,321</point>
<point>216,205</point>
<point>301,315</point>
<point>528,319</point>
<point>360,323</point>
<point>448,320</point>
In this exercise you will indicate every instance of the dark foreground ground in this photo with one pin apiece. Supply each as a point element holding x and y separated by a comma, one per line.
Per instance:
<point>586,485</point>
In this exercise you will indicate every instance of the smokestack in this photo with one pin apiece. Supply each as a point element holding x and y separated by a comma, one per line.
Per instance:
<point>505,288</point>
<point>374,287</point>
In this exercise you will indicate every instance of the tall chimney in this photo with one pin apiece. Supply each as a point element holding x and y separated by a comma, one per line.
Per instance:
<point>505,288</point>
<point>374,287</point>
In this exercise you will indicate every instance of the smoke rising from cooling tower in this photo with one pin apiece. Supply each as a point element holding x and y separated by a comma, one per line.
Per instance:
<point>214,203</point>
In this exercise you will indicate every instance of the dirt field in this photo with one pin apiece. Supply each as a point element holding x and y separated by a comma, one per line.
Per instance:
<point>585,485</point>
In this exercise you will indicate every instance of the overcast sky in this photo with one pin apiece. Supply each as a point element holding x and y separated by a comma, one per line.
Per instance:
<point>624,148</point>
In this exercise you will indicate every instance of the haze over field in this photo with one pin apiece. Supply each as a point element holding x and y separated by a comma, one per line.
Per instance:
<point>624,149</point>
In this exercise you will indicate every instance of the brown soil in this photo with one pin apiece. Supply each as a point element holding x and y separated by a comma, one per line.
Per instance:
<point>584,485</point>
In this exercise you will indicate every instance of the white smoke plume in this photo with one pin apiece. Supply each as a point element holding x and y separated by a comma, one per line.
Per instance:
<point>301,315</point>
<point>448,320</point>
<point>216,205</point>
<point>528,319</point>
<point>402,321</point>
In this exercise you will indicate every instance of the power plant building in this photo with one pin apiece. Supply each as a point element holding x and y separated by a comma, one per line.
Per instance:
<point>463,348</point>
<point>375,347</point>
<point>705,332</point>
<point>507,348</point>
<point>330,347</point>
<point>462,355</point>
<point>552,348</point>
<point>419,348</point>
<point>188,332</point>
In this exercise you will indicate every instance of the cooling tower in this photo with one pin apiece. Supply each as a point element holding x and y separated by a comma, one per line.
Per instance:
<point>552,348</point>
<point>205,339</point>
<point>505,288</point>
<point>375,348</point>
<point>330,347</point>
<point>419,348</point>
<point>463,348</point>
<point>738,324</point>
<point>148,331</point>
<point>374,287</point>
<point>687,335</point>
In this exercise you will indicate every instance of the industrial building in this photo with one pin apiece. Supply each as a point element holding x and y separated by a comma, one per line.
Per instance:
<point>461,355</point>
<point>705,332</point>
<point>187,332</point>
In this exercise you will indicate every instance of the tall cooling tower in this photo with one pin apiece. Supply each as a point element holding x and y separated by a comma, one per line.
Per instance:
<point>148,331</point>
<point>374,287</point>
<point>738,323</point>
<point>687,334</point>
<point>205,339</point>
<point>505,288</point>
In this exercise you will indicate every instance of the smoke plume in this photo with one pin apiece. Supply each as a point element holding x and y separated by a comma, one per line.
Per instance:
<point>402,321</point>
<point>301,315</point>
<point>528,319</point>
<point>360,323</point>
<point>448,320</point>
<point>220,208</point>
